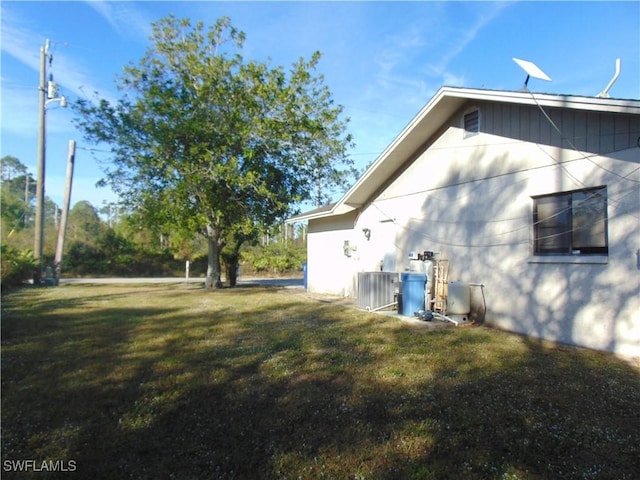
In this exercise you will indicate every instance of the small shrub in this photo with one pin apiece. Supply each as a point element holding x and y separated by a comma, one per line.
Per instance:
<point>17,266</point>
<point>275,258</point>
<point>84,259</point>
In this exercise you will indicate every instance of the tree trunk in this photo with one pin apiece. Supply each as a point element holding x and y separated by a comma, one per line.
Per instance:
<point>232,261</point>
<point>213,263</point>
<point>231,253</point>
<point>231,268</point>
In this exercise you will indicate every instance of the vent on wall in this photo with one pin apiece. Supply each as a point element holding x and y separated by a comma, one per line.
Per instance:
<point>471,123</point>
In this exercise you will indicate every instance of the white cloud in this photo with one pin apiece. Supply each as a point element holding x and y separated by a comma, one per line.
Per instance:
<point>19,110</point>
<point>21,42</point>
<point>127,20</point>
<point>450,79</point>
<point>407,68</point>
<point>463,36</point>
<point>419,57</point>
<point>401,48</point>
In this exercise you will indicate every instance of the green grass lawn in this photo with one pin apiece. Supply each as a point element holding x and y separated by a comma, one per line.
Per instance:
<point>172,381</point>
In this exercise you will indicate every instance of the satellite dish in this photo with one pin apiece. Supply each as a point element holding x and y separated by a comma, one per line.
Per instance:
<point>532,70</point>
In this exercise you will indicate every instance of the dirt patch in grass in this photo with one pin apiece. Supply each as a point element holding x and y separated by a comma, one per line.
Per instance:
<point>173,381</point>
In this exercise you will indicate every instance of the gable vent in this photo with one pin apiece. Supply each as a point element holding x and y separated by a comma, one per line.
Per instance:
<point>471,123</point>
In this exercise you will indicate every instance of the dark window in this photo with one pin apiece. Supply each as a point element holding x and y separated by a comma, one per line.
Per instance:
<point>571,223</point>
<point>471,123</point>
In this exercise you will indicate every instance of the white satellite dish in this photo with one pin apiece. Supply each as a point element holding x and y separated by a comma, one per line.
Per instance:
<point>532,70</point>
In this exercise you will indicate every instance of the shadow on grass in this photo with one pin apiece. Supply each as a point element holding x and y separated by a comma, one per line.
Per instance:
<point>167,382</point>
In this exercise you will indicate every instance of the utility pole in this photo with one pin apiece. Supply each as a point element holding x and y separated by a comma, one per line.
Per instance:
<point>47,92</point>
<point>39,226</point>
<point>65,211</point>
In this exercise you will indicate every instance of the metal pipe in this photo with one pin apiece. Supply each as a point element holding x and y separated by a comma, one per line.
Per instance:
<point>605,92</point>
<point>484,300</point>
<point>439,316</point>
<point>369,309</point>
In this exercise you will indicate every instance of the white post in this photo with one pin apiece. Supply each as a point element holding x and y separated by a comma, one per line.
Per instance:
<point>187,271</point>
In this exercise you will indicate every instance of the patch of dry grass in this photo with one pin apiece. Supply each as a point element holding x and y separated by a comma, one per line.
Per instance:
<point>172,381</point>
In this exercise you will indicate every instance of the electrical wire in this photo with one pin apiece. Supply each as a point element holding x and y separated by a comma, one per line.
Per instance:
<point>570,142</point>
<point>614,200</point>
<point>442,242</point>
<point>93,149</point>
<point>582,156</point>
<point>480,181</point>
<point>576,180</point>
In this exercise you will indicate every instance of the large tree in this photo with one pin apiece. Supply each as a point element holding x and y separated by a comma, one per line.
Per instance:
<point>84,223</point>
<point>17,188</point>
<point>206,141</point>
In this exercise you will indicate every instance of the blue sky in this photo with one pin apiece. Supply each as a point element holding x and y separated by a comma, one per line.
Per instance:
<point>382,60</point>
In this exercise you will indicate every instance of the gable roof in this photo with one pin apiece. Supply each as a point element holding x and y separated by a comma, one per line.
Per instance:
<point>432,117</point>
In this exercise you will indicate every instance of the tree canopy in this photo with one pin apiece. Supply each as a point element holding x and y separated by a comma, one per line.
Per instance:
<point>206,141</point>
<point>17,188</point>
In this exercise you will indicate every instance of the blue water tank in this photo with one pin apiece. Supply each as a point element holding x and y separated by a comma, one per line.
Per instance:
<point>304,274</point>
<point>412,292</point>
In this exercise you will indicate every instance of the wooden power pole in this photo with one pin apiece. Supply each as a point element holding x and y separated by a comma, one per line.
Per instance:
<point>65,211</point>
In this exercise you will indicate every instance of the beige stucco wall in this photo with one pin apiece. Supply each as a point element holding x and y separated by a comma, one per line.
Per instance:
<point>329,270</point>
<point>469,199</point>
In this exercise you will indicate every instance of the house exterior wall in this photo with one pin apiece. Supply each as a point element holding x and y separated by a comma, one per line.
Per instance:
<point>468,198</point>
<point>329,269</point>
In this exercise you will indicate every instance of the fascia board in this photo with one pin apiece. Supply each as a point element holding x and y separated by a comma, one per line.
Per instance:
<point>445,101</point>
<point>381,167</point>
<point>575,102</point>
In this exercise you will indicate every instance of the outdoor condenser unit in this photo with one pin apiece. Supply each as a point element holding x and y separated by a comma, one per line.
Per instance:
<point>377,289</point>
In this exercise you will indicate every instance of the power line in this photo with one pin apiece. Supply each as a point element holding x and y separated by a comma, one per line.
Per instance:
<point>94,150</point>
<point>610,199</point>
<point>570,142</point>
<point>447,243</point>
<point>495,176</point>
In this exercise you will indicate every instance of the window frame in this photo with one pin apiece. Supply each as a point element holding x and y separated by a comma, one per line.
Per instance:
<point>563,231</point>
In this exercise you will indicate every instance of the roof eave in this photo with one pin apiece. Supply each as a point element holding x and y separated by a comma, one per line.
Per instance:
<point>445,102</point>
<point>322,212</point>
